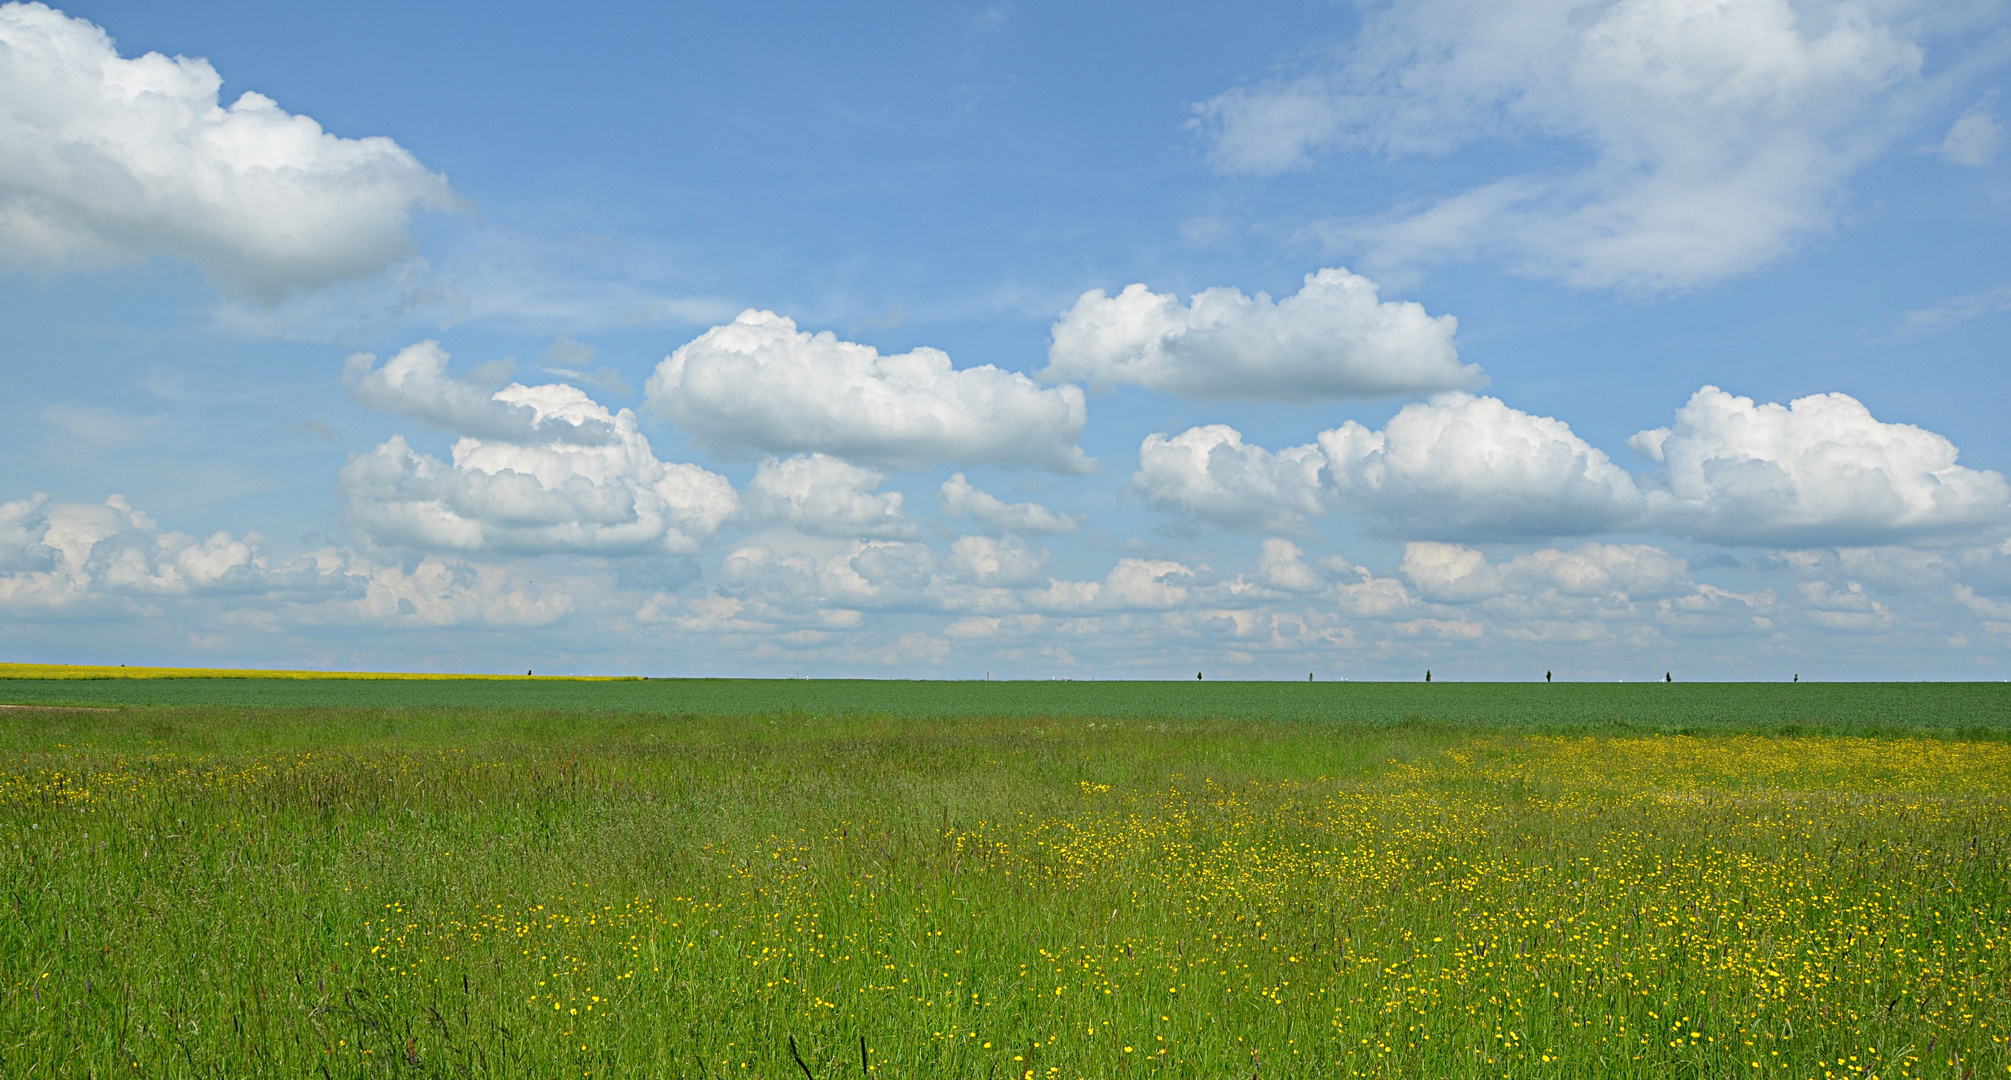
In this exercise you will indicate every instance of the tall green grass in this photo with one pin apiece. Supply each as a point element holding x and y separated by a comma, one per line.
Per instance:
<point>413,892</point>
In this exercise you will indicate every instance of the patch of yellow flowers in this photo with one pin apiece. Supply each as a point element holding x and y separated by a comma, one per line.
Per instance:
<point>1812,908</point>
<point>1512,906</point>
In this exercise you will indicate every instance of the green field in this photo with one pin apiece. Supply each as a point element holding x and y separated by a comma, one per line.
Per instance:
<point>336,878</point>
<point>1976,709</point>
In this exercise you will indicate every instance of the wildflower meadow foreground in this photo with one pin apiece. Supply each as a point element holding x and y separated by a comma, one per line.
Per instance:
<point>373,892</point>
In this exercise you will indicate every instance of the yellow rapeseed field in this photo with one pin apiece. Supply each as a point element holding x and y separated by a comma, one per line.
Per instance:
<point>100,671</point>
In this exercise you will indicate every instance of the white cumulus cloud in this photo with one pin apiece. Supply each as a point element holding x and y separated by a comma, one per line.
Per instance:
<point>1709,138</point>
<point>1454,572</point>
<point>961,498</point>
<point>1457,466</point>
<point>530,484</point>
<point>1282,565</point>
<point>759,382</point>
<point>817,583</point>
<point>76,556</point>
<point>415,383</point>
<point>1210,473</point>
<point>1466,466</point>
<point>1820,470</point>
<point>112,161</point>
<point>1145,585</point>
<point>442,591</point>
<point>111,558</point>
<point>1335,338</point>
<point>996,560</point>
<point>825,497</point>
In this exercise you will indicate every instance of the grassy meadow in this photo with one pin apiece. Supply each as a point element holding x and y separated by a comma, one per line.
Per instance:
<point>1404,882</point>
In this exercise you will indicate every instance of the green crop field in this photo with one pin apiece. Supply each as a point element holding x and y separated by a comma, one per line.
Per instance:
<point>1977,709</point>
<point>347,878</point>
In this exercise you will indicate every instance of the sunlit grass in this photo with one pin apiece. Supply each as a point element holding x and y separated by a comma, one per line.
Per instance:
<point>365,894</point>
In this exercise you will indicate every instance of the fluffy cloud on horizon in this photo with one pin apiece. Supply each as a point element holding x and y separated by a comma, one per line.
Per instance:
<point>995,601</point>
<point>536,469</point>
<point>1821,471</point>
<point>1459,573</point>
<point>553,515</point>
<point>1334,338</point>
<point>1455,467</point>
<point>761,384</point>
<point>70,557</point>
<point>96,562</point>
<point>112,161</point>
<point>824,496</point>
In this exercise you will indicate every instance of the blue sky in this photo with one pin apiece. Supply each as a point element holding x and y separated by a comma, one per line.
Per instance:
<point>1602,338</point>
